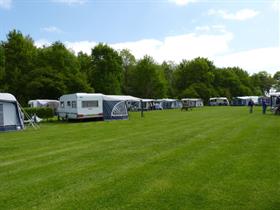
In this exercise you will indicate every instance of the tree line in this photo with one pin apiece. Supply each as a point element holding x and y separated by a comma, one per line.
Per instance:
<point>29,72</point>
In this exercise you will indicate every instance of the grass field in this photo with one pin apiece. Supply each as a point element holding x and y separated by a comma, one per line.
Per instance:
<point>209,158</point>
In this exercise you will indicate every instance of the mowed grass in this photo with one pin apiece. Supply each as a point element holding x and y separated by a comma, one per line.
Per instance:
<point>208,158</point>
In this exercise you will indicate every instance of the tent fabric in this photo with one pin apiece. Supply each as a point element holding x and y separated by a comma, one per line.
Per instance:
<point>114,110</point>
<point>244,100</point>
<point>7,97</point>
<point>221,98</point>
<point>275,94</point>
<point>147,100</point>
<point>122,98</point>
<point>1,115</point>
<point>43,102</point>
<point>193,102</point>
<point>10,115</point>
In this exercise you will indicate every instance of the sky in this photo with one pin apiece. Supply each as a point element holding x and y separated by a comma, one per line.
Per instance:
<point>244,33</point>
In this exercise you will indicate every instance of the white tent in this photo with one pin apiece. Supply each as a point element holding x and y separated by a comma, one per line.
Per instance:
<point>54,104</point>
<point>274,97</point>
<point>244,100</point>
<point>11,117</point>
<point>147,103</point>
<point>132,103</point>
<point>192,102</point>
<point>168,103</point>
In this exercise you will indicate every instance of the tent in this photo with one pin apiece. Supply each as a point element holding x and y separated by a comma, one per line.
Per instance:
<point>192,102</point>
<point>244,100</point>
<point>274,99</point>
<point>167,103</point>
<point>53,104</point>
<point>114,107</point>
<point>11,117</point>
<point>147,104</point>
<point>132,103</point>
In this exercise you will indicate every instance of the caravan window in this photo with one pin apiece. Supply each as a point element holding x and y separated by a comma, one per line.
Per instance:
<point>68,103</point>
<point>74,104</point>
<point>62,104</point>
<point>89,104</point>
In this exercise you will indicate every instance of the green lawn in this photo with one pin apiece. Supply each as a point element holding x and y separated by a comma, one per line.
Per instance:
<point>209,158</point>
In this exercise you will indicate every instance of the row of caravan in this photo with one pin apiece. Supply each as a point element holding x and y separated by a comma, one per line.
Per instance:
<point>83,106</point>
<point>109,107</point>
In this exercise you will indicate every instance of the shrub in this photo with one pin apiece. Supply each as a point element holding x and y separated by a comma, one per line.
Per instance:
<point>41,112</point>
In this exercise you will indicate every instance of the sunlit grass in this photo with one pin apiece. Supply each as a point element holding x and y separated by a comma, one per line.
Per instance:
<point>208,158</point>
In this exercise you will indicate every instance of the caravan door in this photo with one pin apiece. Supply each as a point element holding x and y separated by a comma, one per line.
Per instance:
<point>90,106</point>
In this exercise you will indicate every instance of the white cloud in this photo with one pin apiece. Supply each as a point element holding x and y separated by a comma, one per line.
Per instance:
<point>182,2</point>
<point>276,5</point>
<point>70,2</point>
<point>202,28</point>
<point>42,42</point>
<point>176,48</point>
<point>254,60</point>
<point>84,46</point>
<point>52,29</point>
<point>213,44</point>
<point>211,29</point>
<point>240,15</point>
<point>5,4</point>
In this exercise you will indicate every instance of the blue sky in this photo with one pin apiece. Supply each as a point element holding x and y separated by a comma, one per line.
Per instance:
<point>241,33</point>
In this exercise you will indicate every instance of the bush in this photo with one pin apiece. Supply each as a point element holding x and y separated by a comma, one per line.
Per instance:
<point>41,112</point>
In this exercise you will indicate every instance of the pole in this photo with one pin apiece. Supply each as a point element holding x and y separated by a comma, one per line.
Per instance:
<point>142,111</point>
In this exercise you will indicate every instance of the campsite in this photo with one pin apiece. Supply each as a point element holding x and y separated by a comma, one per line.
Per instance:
<point>139,105</point>
<point>167,160</point>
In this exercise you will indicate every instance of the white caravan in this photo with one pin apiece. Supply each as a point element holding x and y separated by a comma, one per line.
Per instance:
<point>92,105</point>
<point>219,101</point>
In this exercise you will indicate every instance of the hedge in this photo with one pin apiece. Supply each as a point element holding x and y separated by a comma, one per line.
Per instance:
<point>41,112</point>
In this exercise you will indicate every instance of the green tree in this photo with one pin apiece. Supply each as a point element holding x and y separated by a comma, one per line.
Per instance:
<point>263,80</point>
<point>58,60</point>
<point>128,64</point>
<point>189,73</point>
<point>20,55</point>
<point>276,77</point>
<point>85,65</point>
<point>107,70</point>
<point>46,83</point>
<point>168,69</point>
<point>148,79</point>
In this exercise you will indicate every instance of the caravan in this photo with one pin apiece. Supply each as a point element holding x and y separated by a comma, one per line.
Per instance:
<point>11,117</point>
<point>92,105</point>
<point>218,101</point>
